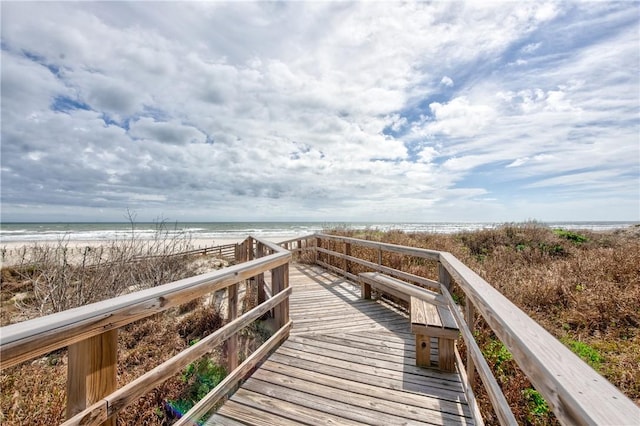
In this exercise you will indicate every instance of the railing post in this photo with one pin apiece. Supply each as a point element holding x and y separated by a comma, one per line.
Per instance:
<point>317,253</point>
<point>347,264</point>
<point>232,313</point>
<point>380,256</point>
<point>469,317</point>
<point>260,277</point>
<point>279,282</point>
<point>443,276</point>
<point>249,248</point>
<point>92,372</point>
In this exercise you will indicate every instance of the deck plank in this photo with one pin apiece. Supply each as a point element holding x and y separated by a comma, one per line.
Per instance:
<point>347,361</point>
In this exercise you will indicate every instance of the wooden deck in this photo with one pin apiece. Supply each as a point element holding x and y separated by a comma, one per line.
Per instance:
<point>347,361</point>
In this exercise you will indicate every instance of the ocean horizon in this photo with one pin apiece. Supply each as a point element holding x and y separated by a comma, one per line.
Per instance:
<point>12,232</point>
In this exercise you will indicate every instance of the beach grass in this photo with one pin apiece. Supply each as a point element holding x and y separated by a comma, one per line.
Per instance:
<point>582,286</point>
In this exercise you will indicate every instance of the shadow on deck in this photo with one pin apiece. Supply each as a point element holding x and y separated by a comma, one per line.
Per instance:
<point>347,361</point>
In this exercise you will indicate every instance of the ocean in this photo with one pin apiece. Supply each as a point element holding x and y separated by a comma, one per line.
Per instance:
<point>34,232</point>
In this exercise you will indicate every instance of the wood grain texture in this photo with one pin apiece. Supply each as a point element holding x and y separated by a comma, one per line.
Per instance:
<point>347,361</point>
<point>377,267</point>
<point>401,289</point>
<point>133,390</point>
<point>26,340</point>
<point>576,393</point>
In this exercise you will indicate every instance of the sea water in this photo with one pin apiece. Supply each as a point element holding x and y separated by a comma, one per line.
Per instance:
<point>101,231</point>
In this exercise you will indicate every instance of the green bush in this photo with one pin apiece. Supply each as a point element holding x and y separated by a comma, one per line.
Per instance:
<point>571,236</point>
<point>202,376</point>
<point>538,407</point>
<point>590,355</point>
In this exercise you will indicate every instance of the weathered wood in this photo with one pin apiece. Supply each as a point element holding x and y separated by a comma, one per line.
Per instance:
<point>96,414</point>
<point>400,288</point>
<point>337,270</point>
<point>423,350</point>
<point>498,401</point>
<point>92,372</point>
<point>409,251</point>
<point>250,416</point>
<point>133,390</point>
<point>232,341</point>
<point>443,276</point>
<point>347,252</point>
<point>260,277</point>
<point>427,321</point>
<point>407,399</point>
<point>366,382</point>
<point>469,317</point>
<point>468,392</point>
<point>26,340</point>
<point>446,354</point>
<point>280,282</point>
<point>233,378</point>
<point>425,282</point>
<point>576,393</point>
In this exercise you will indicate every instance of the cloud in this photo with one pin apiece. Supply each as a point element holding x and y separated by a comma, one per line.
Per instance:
<point>325,111</point>
<point>446,81</point>
<point>459,118</point>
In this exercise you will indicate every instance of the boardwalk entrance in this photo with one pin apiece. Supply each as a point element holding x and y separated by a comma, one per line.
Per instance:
<point>347,361</point>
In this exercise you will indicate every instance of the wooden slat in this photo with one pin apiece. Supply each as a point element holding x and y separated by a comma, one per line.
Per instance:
<point>438,399</point>
<point>248,415</point>
<point>286,409</point>
<point>446,317</point>
<point>431,313</point>
<point>392,248</point>
<point>353,407</point>
<point>407,290</point>
<point>346,360</point>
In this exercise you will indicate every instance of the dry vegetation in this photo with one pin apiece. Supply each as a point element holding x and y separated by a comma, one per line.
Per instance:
<point>49,279</point>
<point>583,287</point>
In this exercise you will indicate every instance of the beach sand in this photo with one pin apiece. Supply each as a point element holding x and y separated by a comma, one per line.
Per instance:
<point>13,252</point>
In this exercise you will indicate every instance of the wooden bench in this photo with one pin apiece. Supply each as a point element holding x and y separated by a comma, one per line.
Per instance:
<point>430,317</point>
<point>429,320</point>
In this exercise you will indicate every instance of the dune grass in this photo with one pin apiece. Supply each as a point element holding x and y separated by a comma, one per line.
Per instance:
<point>581,286</point>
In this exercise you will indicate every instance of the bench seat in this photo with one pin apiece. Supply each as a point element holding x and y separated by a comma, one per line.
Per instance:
<point>430,317</point>
<point>396,288</point>
<point>427,321</point>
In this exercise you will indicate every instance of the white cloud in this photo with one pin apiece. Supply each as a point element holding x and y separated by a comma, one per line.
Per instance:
<point>459,118</point>
<point>446,81</point>
<point>328,110</point>
<point>531,48</point>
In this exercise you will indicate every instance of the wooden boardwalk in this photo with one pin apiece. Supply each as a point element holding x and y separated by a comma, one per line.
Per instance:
<point>347,361</point>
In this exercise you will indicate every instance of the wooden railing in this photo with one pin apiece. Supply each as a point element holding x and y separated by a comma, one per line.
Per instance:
<point>575,392</point>
<point>90,333</point>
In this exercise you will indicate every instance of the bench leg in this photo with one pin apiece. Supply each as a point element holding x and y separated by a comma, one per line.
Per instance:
<point>423,350</point>
<point>446,355</point>
<point>365,290</point>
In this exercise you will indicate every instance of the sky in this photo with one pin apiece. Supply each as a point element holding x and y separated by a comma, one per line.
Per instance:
<point>320,111</point>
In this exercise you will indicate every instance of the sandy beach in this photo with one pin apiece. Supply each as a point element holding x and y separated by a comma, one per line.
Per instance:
<point>12,252</point>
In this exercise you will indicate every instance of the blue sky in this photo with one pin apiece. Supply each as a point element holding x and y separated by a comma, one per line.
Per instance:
<point>385,111</point>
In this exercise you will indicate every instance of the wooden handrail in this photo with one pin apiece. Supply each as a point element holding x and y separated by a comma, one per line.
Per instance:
<point>116,401</point>
<point>28,339</point>
<point>575,392</point>
<point>90,332</point>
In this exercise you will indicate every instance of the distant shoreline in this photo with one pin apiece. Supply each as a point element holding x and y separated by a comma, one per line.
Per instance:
<point>92,232</point>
